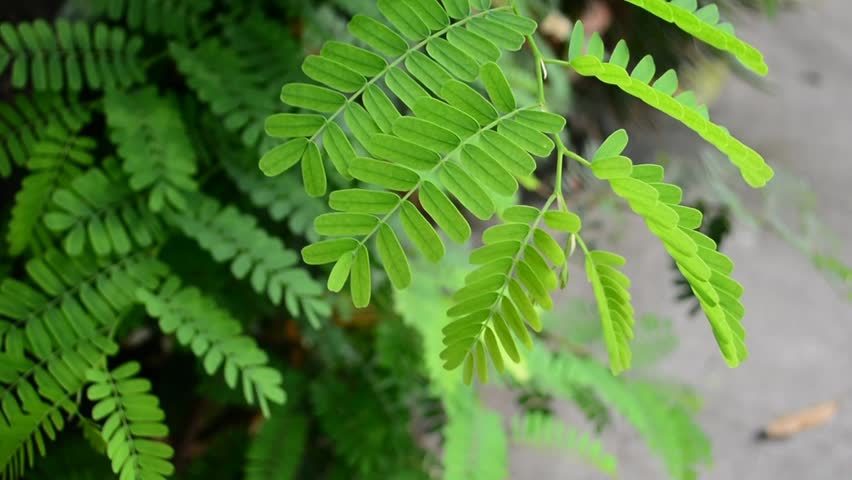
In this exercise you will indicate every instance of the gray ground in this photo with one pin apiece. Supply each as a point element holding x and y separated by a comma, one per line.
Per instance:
<point>800,328</point>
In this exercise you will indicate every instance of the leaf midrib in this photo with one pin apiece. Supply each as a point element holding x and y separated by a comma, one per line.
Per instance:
<point>396,62</point>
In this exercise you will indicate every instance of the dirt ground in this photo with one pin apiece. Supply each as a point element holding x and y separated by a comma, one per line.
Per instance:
<point>799,326</point>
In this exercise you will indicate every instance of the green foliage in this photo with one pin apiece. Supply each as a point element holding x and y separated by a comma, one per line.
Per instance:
<point>216,338</point>
<point>232,236</point>
<point>695,254</point>
<point>132,423</point>
<point>277,450</point>
<point>60,57</point>
<point>703,24</point>
<point>610,288</point>
<point>516,271</point>
<point>659,95</point>
<point>414,122</point>
<point>154,147</point>
<point>25,120</point>
<point>54,160</point>
<point>53,330</point>
<point>100,210</point>
<point>171,18</point>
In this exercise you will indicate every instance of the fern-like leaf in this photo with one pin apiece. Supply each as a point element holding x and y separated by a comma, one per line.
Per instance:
<point>703,24</point>
<point>276,452</point>
<point>24,122</point>
<point>99,209</point>
<point>237,74</point>
<point>52,332</point>
<point>56,159</point>
<point>611,291</point>
<point>696,256</point>
<point>457,140</point>
<point>233,236</point>
<point>132,423</point>
<point>544,431</point>
<point>216,338</point>
<point>659,95</point>
<point>153,143</point>
<point>58,58</point>
<point>516,271</point>
<point>171,18</point>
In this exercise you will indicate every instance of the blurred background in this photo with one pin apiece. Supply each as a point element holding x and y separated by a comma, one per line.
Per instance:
<point>790,242</point>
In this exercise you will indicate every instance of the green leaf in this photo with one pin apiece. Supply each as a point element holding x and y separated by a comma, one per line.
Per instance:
<point>612,167</point>
<point>457,8</point>
<point>377,36</point>
<point>340,272</point>
<point>339,149</point>
<point>313,171</point>
<point>595,46</point>
<point>505,232</point>
<point>497,31</point>
<point>548,246</point>
<point>312,97</point>
<point>404,18</point>
<point>283,157</point>
<point>446,215</point>
<point>620,55</point>
<point>361,124</point>
<point>405,87</point>
<point>333,74</point>
<point>383,174</point>
<point>521,214</point>
<point>427,71</point>
<point>494,251</point>
<point>393,258</point>
<point>430,12</point>
<point>358,200</point>
<point>359,280</point>
<point>356,59</point>
<point>285,125</point>
<point>563,221</point>
<point>426,134</point>
<point>527,138</point>
<point>469,193</point>
<point>667,83</point>
<point>345,224</point>
<point>455,60</point>
<point>468,100</point>
<point>577,42</point>
<point>701,24</point>
<point>404,152</point>
<point>421,232</point>
<point>478,47</point>
<point>448,116</point>
<point>542,121</point>
<point>498,87</point>
<point>613,146</point>
<point>328,251</point>
<point>487,171</point>
<point>512,157</point>
<point>380,108</point>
